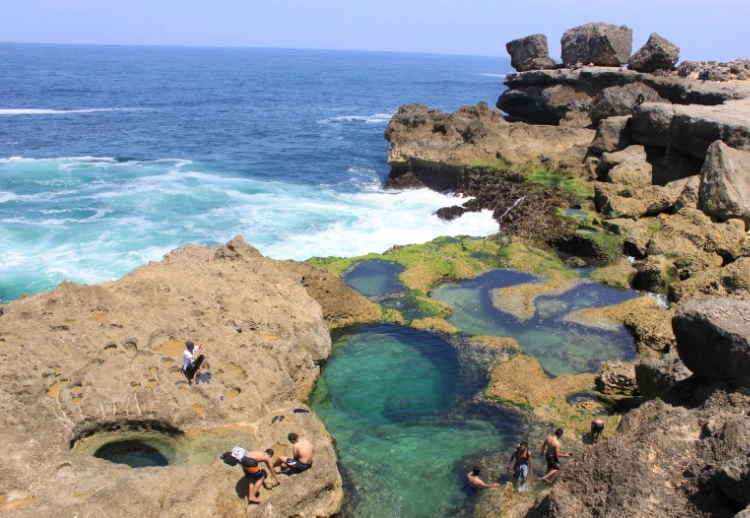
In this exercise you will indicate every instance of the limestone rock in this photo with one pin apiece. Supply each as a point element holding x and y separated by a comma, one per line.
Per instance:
<point>626,167</point>
<point>342,305</point>
<point>725,183</point>
<point>657,54</point>
<point>692,128</point>
<point>655,375</point>
<point>617,377</point>
<point>734,479</point>
<point>732,280</point>
<point>689,192</point>
<point>529,53</point>
<point>619,100</point>
<point>624,201</point>
<point>612,134</point>
<point>651,328</point>
<point>637,234</point>
<point>81,360</point>
<point>713,338</point>
<point>655,274</point>
<point>597,43</point>
<point>429,144</point>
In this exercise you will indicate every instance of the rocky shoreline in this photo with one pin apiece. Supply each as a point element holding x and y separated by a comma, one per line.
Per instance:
<point>597,161</point>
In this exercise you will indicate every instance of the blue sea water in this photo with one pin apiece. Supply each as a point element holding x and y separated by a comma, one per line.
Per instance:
<point>112,156</point>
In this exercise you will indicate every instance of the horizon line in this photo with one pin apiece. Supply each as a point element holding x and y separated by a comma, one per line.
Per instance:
<point>178,46</point>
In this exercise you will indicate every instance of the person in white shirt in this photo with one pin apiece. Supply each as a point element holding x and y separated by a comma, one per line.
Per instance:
<point>192,360</point>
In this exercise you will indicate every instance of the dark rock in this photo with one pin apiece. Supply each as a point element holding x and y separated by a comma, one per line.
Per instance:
<point>655,375</point>
<point>734,479</point>
<point>450,213</point>
<point>612,134</point>
<point>657,54</point>
<point>619,100</point>
<point>725,183</point>
<point>617,377</point>
<point>713,339</point>
<point>670,165</point>
<point>529,53</point>
<point>655,274</point>
<point>598,43</point>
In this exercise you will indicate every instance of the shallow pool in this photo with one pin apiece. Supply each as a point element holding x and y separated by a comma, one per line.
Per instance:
<point>561,347</point>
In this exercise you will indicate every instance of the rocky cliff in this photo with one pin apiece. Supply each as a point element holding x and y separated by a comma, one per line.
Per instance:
<point>81,361</point>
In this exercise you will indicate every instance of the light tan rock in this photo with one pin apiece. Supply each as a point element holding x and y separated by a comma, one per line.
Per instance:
<point>81,360</point>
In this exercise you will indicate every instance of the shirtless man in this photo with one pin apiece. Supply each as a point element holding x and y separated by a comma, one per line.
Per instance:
<point>553,445</point>
<point>302,451</point>
<point>474,483</point>
<point>521,462</point>
<point>192,359</point>
<point>597,427</point>
<point>265,457</point>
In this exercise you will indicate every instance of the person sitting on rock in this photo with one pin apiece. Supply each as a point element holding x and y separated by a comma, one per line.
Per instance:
<point>473,483</point>
<point>522,466</point>
<point>597,427</point>
<point>552,445</point>
<point>192,359</point>
<point>302,451</point>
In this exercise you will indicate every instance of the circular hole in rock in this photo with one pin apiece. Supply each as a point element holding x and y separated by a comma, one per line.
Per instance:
<point>135,454</point>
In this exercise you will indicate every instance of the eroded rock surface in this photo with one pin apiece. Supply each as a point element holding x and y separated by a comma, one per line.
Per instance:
<point>725,183</point>
<point>657,54</point>
<point>597,43</point>
<point>80,360</point>
<point>529,53</point>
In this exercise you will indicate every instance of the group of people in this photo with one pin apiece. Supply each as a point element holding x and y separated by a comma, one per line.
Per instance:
<point>250,461</point>
<point>520,461</point>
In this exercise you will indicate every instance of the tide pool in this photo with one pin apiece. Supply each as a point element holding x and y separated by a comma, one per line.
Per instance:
<point>397,405</point>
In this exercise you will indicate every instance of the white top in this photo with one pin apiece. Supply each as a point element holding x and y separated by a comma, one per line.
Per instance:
<point>187,358</point>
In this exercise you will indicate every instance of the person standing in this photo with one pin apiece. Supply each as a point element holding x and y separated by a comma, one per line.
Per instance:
<point>266,457</point>
<point>521,462</point>
<point>553,446</point>
<point>192,359</point>
<point>597,427</point>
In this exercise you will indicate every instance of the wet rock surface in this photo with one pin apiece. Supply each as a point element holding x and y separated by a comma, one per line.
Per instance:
<point>81,360</point>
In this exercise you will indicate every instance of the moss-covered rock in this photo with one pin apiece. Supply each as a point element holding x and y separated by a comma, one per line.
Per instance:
<point>496,341</point>
<point>619,275</point>
<point>434,324</point>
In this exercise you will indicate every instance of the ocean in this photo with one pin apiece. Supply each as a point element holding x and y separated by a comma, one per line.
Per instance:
<point>110,157</point>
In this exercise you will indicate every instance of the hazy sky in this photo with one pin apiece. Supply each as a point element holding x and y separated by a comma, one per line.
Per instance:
<point>703,29</point>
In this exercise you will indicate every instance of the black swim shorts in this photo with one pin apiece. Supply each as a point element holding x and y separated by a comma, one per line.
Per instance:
<point>552,461</point>
<point>299,466</point>
<point>255,476</point>
<point>598,428</point>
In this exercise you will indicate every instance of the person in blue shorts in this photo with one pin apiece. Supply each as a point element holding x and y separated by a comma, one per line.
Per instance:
<point>521,462</point>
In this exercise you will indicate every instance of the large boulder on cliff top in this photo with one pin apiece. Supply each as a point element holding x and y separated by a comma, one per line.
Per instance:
<point>529,53</point>
<point>725,183</point>
<point>734,479</point>
<point>598,43</point>
<point>713,339</point>
<point>657,54</point>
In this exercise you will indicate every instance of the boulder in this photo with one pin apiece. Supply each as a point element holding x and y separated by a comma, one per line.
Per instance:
<point>651,328</point>
<point>713,339</point>
<point>725,183</point>
<point>733,479</point>
<point>731,280</point>
<point>612,134</point>
<point>617,378</point>
<point>637,234</point>
<point>619,100</point>
<point>529,53</point>
<point>626,201</point>
<point>654,375</point>
<point>626,167</point>
<point>598,43</point>
<point>657,54</point>
<point>655,274</point>
<point>689,189</point>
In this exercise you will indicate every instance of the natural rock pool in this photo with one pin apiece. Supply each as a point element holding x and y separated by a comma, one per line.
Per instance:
<point>398,405</point>
<point>403,407</point>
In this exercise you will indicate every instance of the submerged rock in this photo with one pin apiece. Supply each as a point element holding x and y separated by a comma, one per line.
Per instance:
<point>598,43</point>
<point>529,53</point>
<point>657,54</point>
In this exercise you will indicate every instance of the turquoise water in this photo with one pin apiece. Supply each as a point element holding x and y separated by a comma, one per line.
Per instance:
<point>375,279</point>
<point>395,401</point>
<point>561,347</point>
<point>103,170</point>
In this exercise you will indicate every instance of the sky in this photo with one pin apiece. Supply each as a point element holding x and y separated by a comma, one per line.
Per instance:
<point>703,29</point>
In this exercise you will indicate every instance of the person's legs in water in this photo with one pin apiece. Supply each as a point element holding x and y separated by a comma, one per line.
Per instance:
<point>522,471</point>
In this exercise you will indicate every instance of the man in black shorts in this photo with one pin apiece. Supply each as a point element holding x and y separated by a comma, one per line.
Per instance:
<point>597,427</point>
<point>552,445</point>
<point>302,450</point>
